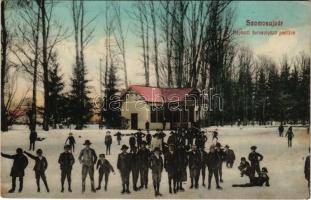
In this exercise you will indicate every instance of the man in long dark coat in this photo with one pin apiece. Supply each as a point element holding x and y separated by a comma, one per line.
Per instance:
<point>194,166</point>
<point>170,167</point>
<point>143,155</point>
<point>124,166</point>
<point>181,163</point>
<point>135,167</point>
<point>20,163</point>
<point>66,161</point>
<point>213,161</point>
<point>255,158</point>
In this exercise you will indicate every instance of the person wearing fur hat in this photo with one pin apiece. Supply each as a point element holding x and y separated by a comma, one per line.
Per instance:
<point>262,179</point>
<point>20,163</point>
<point>124,166</point>
<point>156,166</point>
<point>88,158</point>
<point>71,141</point>
<point>66,161</point>
<point>255,158</point>
<point>41,164</point>
<point>104,168</point>
<point>143,155</point>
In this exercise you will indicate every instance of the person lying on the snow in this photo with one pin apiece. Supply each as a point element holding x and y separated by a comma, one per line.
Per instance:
<point>257,181</point>
<point>66,160</point>
<point>119,135</point>
<point>71,141</point>
<point>245,167</point>
<point>104,168</point>
<point>40,166</point>
<point>18,169</point>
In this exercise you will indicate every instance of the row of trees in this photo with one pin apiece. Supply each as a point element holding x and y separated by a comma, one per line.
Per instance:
<point>182,44</point>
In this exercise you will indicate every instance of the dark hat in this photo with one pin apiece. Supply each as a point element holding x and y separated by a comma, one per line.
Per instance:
<point>19,150</point>
<point>67,146</point>
<point>124,147</point>
<point>243,158</point>
<point>134,147</point>
<point>218,144</point>
<point>87,142</point>
<point>172,132</point>
<point>70,133</point>
<point>157,149</point>
<point>253,147</point>
<point>227,146</point>
<point>101,155</point>
<point>107,131</point>
<point>264,169</point>
<point>39,151</point>
<point>139,129</point>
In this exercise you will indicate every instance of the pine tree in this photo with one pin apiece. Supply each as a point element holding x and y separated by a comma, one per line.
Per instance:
<point>260,97</point>
<point>56,86</point>
<point>273,94</point>
<point>111,111</point>
<point>293,94</point>
<point>284,91</point>
<point>80,104</point>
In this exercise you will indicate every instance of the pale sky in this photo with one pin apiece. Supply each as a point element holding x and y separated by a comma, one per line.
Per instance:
<point>295,17</point>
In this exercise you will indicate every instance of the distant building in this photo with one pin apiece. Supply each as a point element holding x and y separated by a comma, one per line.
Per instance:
<point>174,107</point>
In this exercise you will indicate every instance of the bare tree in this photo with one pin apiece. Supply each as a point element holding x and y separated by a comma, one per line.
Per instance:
<point>120,38</point>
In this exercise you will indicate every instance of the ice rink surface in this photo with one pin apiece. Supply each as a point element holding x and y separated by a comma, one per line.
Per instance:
<point>285,165</point>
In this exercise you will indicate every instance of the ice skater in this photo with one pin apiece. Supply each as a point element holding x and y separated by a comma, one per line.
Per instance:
<point>119,135</point>
<point>32,140</point>
<point>230,156</point>
<point>124,166</point>
<point>41,164</point>
<point>66,161</point>
<point>88,158</point>
<point>215,135</point>
<point>156,166</point>
<point>108,142</point>
<point>20,163</point>
<point>257,181</point>
<point>213,161</point>
<point>281,130</point>
<point>255,158</point>
<point>71,141</point>
<point>104,168</point>
<point>289,135</point>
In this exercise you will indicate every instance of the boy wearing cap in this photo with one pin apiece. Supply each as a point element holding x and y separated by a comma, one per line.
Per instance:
<point>108,142</point>
<point>71,141</point>
<point>255,158</point>
<point>66,161</point>
<point>124,166</point>
<point>41,164</point>
<point>18,169</point>
<point>104,168</point>
<point>156,166</point>
<point>88,159</point>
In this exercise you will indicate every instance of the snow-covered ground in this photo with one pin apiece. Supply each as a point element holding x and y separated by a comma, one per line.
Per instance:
<point>285,165</point>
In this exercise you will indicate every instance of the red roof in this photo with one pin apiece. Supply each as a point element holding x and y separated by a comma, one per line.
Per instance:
<point>161,95</point>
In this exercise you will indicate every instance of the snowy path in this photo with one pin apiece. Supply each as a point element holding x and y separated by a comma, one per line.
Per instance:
<point>285,165</point>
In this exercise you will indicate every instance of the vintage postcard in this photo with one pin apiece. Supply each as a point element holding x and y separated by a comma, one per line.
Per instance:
<point>155,99</point>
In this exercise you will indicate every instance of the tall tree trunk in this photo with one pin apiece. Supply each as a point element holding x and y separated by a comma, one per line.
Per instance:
<point>45,68</point>
<point>4,123</point>
<point>155,43</point>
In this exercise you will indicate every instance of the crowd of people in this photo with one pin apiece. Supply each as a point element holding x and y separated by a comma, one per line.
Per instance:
<point>184,148</point>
